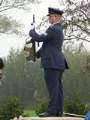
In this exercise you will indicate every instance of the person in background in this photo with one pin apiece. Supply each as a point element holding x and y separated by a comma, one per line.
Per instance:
<point>53,61</point>
<point>87,117</point>
<point>1,67</point>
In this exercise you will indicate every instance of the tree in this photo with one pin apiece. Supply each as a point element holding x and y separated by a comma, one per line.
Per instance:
<point>25,79</point>
<point>76,79</point>
<point>22,79</point>
<point>76,24</point>
<point>7,25</point>
<point>77,20</point>
<point>9,4</point>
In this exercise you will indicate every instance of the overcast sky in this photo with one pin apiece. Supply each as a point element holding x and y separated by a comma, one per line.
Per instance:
<point>25,17</point>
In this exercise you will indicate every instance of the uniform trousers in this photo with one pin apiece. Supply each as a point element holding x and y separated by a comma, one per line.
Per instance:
<point>53,79</point>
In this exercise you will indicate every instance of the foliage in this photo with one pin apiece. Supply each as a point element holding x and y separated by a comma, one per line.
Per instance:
<point>71,105</point>
<point>29,113</point>
<point>41,105</point>
<point>76,79</point>
<point>7,25</point>
<point>25,79</point>
<point>10,109</point>
<point>4,24</point>
<point>74,105</point>
<point>77,24</point>
<point>87,108</point>
<point>88,62</point>
<point>22,79</point>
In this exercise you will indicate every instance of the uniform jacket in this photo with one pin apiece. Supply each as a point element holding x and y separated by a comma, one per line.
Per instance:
<point>51,50</point>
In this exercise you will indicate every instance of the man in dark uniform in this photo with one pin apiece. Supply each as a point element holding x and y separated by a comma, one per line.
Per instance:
<point>1,67</point>
<point>53,61</point>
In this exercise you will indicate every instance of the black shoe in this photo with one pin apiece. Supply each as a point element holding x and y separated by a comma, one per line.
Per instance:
<point>59,114</point>
<point>46,114</point>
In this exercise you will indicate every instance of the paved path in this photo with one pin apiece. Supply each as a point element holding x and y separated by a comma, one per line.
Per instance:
<point>52,118</point>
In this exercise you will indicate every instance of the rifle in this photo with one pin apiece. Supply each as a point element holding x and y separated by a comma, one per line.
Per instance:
<point>31,50</point>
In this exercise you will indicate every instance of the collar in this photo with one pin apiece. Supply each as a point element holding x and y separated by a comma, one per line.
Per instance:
<point>55,23</point>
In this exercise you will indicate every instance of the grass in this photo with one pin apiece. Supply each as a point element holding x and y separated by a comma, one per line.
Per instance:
<point>29,113</point>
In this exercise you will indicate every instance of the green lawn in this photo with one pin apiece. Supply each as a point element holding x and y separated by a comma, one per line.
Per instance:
<point>29,113</point>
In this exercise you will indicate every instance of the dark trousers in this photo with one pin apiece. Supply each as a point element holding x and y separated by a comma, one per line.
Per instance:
<point>53,78</point>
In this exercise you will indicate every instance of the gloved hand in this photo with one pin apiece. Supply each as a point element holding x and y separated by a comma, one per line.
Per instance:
<point>38,54</point>
<point>31,32</point>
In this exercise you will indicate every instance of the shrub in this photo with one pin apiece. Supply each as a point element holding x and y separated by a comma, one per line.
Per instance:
<point>41,105</point>
<point>29,113</point>
<point>74,105</point>
<point>87,108</point>
<point>10,109</point>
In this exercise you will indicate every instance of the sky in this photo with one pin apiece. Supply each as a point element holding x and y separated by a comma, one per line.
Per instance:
<point>25,17</point>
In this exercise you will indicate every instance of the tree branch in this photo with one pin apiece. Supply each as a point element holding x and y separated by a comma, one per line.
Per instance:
<point>10,7</point>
